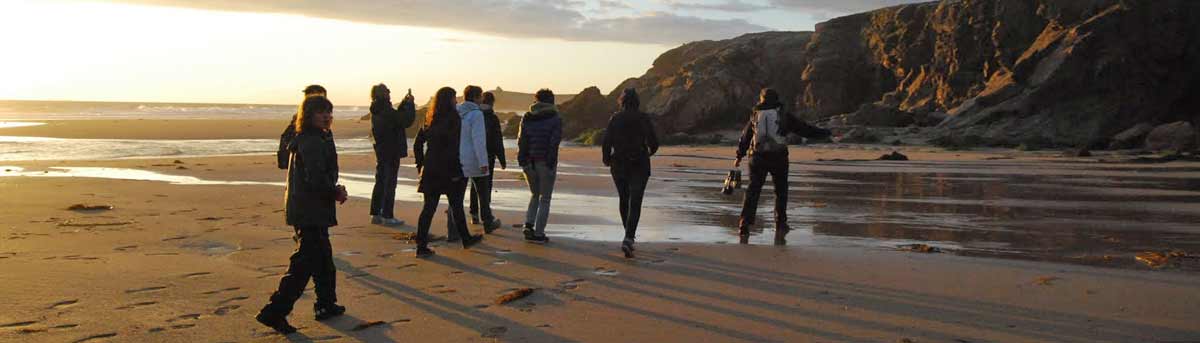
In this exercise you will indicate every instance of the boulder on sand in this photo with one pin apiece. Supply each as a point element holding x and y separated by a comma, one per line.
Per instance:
<point>1178,136</point>
<point>1131,138</point>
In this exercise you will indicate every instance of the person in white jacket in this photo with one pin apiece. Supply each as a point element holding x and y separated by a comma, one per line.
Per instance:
<point>472,151</point>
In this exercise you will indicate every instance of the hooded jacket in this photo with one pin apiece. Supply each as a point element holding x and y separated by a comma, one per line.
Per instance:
<point>539,135</point>
<point>312,180</point>
<point>472,149</point>
<point>629,138</point>
<point>388,125</point>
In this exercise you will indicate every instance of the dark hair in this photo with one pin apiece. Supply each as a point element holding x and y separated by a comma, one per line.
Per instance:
<point>488,99</point>
<point>380,92</point>
<point>471,93</point>
<point>629,100</point>
<point>544,95</point>
<point>311,106</point>
<point>314,89</point>
<point>769,98</point>
<point>443,105</point>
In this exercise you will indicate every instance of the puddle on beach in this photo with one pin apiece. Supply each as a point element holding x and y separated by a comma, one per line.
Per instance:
<point>1074,213</point>
<point>14,124</point>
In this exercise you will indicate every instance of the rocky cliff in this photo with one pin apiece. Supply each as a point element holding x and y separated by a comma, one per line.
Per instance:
<point>590,109</point>
<point>984,72</point>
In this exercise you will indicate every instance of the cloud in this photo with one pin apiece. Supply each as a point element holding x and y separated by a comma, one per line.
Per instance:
<point>736,6</point>
<point>838,6</point>
<point>555,19</point>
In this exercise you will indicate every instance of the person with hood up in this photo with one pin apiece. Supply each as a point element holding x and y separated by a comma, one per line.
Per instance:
<point>629,141</point>
<point>537,152</point>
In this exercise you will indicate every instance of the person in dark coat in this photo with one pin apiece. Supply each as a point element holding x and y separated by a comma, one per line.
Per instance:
<point>312,189</point>
<point>764,138</point>
<point>289,132</point>
<point>629,141</point>
<point>388,138</point>
<point>537,152</point>
<point>495,148</point>
<point>436,150</point>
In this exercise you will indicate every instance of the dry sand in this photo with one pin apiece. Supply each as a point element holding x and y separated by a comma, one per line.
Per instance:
<point>194,263</point>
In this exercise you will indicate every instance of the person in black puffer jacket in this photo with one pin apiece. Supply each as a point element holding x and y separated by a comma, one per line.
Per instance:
<point>312,189</point>
<point>537,153</point>
<point>629,141</point>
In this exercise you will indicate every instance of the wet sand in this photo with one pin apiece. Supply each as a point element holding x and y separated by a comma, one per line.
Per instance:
<point>177,262</point>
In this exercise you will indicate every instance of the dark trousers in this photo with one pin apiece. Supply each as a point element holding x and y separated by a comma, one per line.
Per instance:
<point>457,217</point>
<point>760,165</point>
<point>387,168</point>
<point>481,196</point>
<point>630,179</point>
<point>312,259</point>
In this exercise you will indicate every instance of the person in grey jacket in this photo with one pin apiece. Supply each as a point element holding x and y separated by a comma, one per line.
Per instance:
<point>495,147</point>
<point>312,189</point>
<point>390,144</point>
<point>537,153</point>
<point>473,151</point>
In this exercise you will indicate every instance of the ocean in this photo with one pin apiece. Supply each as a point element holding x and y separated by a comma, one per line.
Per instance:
<point>60,110</point>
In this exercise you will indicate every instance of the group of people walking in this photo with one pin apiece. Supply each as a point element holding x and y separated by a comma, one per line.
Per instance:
<point>456,150</point>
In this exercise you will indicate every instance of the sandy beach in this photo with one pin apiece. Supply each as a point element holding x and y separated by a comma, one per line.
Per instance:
<point>193,256</point>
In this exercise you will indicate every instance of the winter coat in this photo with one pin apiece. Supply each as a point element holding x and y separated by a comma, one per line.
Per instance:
<point>436,151</point>
<point>312,180</point>
<point>495,138</point>
<point>472,150</point>
<point>539,135</point>
<point>629,140</point>
<point>766,132</point>
<point>387,126</point>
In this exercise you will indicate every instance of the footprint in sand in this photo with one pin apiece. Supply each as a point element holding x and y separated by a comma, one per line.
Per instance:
<point>145,289</point>
<point>572,284</point>
<point>125,248</point>
<point>163,254</point>
<point>386,255</point>
<point>410,265</point>
<point>176,238</point>
<point>63,304</point>
<point>221,290</point>
<point>233,299</point>
<point>18,324</point>
<point>605,271</point>
<point>98,337</point>
<point>189,316</point>
<point>223,310</point>
<point>136,305</point>
<point>4,255</point>
<point>196,275</point>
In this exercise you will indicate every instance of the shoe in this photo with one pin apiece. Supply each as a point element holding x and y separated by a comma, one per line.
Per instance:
<point>744,232</point>
<point>475,219</point>
<point>471,241</point>
<point>493,226</point>
<point>324,312</point>
<point>376,219</point>
<point>424,252</point>
<point>528,232</point>
<point>537,239</point>
<point>627,248</point>
<point>275,322</point>
<point>392,222</point>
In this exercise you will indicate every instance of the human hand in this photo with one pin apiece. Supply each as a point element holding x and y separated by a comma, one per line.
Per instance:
<point>737,163</point>
<point>342,195</point>
<point>483,169</point>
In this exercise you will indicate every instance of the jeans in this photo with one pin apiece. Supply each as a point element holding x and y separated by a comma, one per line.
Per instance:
<point>481,197</point>
<point>540,178</point>
<point>760,165</point>
<point>312,259</point>
<point>457,222</point>
<point>630,179</point>
<point>383,197</point>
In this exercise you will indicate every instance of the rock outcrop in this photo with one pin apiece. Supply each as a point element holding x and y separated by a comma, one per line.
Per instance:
<point>1177,136</point>
<point>985,72</point>
<point>588,110</point>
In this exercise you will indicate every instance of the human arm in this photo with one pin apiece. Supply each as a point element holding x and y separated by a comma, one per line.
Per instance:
<point>745,141</point>
<point>651,136</point>
<point>419,148</point>
<point>522,143</point>
<point>555,141</point>
<point>606,145</point>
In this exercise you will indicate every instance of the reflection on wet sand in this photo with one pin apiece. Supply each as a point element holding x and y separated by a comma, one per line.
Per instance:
<point>1074,213</point>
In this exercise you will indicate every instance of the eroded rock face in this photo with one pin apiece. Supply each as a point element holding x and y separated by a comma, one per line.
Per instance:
<point>589,109</point>
<point>712,85</point>
<point>1178,136</point>
<point>1001,72</point>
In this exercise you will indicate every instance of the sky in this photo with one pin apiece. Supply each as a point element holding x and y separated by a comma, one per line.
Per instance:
<point>266,51</point>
